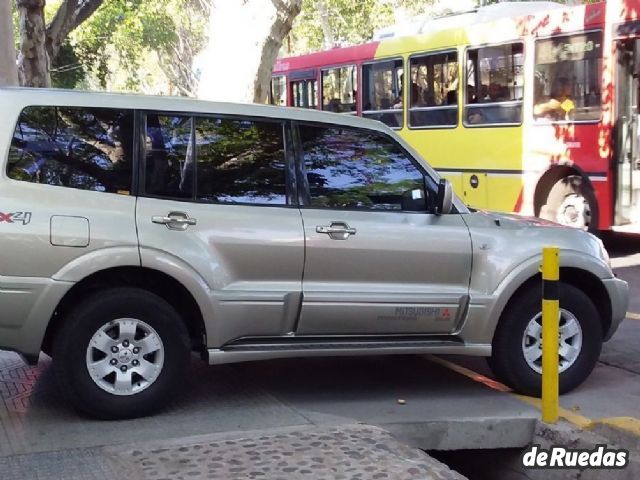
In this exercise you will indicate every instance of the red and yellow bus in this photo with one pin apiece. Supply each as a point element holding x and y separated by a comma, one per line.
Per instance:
<point>525,107</point>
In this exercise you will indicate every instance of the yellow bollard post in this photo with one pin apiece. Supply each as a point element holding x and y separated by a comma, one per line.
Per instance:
<point>550,333</point>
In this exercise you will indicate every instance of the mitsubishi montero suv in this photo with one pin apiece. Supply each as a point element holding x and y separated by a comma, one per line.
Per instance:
<point>137,230</point>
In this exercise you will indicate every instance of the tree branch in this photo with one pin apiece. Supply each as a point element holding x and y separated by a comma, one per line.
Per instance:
<point>84,11</point>
<point>55,30</point>
<point>69,16</point>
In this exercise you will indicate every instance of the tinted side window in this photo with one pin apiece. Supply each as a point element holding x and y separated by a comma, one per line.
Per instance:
<point>349,168</point>
<point>168,156</point>
<point>240,161</point>
<point>85,148</point>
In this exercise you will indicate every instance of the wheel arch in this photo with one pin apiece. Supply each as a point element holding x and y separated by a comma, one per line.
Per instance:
<point>162,284</point>
<point>582,279</point>
<point>554,174</point>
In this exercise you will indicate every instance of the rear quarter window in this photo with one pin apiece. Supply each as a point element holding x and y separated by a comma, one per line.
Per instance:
<point>83,148</point>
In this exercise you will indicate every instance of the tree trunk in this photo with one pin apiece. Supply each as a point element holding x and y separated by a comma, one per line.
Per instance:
<point>8,68</point>
<point>33,61</point>
<point>329,41</point>
<point>244,40</point>
<point>39,43</point>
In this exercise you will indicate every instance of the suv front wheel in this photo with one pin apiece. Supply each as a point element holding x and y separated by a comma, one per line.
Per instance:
<point>517,344</point>
<point>121,353</point>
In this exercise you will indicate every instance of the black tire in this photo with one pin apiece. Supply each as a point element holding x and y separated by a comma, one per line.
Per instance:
<point>508,362</point>
<point>72,341</point>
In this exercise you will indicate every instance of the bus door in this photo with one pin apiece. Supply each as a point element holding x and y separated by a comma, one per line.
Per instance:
<point>627,209</point>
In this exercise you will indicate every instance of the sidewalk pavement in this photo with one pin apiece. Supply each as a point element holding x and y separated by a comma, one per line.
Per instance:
<point>421,403</point>
<point>352,451</point>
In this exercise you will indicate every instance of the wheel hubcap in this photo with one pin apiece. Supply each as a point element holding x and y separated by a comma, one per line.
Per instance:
<point>574,212</point>
<point>125,356</point>
<point>569,341</point>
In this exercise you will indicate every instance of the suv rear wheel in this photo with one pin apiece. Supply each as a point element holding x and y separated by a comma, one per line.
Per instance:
<point>517,344</point>
<point>121,353</point>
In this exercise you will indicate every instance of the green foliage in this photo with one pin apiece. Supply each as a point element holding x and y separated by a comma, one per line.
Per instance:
<point>130,30</point>
<point>350,21</point>
<point>66,69</point>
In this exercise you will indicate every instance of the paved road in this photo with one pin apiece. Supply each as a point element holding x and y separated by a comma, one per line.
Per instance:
<point>614,388</point>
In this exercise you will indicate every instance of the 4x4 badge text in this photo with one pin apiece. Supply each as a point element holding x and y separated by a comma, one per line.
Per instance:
<point>16,217</point>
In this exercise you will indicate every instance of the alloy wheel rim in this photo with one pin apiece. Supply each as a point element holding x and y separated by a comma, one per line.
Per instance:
<point>125,356</point>
<point>569,341</point>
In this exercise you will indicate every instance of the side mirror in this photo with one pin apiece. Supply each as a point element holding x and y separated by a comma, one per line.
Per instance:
<point>414,200</point>
<point>444,200</point>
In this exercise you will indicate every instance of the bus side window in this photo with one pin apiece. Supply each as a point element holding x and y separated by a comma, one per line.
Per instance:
<point>339,89</point>
<point>304,93</point>
<point>382,92</point>
<point>494,85</point>
<point>567,75</point>
<point>433,91</point>
<point>278,92</point>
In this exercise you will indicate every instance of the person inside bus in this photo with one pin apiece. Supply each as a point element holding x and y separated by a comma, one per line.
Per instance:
<point>334,105</point>
<point>471,94</point>
<point>397,102</point>
<point>427,99</point>
<point>495,93</point>
<point>484,93</point>
<point>416,98</point>
<point>388,117</point>
<point>560,104</point>
<point>475,117</point>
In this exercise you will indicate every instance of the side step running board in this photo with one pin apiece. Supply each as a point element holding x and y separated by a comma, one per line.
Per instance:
<point>263,349</point>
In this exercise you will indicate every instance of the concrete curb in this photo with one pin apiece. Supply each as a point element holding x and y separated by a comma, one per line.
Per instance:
<point>352,451</point>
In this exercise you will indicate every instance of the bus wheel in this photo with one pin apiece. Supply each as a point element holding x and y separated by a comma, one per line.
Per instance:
<point>572,205</point>
<point>575,212</point>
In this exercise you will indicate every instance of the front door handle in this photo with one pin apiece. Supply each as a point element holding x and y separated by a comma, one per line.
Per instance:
<point>175,220</point>
<point>337,230</point>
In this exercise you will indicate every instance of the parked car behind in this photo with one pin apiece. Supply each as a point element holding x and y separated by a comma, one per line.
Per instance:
<point>136,230</point>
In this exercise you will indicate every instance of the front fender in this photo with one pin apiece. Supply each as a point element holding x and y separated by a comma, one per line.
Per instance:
<point>486,308</point>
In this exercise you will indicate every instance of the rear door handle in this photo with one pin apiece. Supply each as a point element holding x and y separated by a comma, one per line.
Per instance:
<point>337,230</point>
<point>175,220</point>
